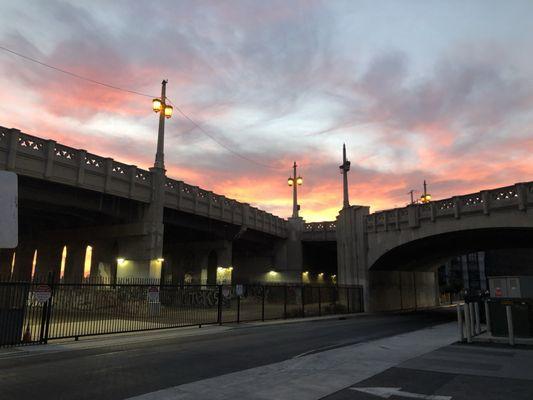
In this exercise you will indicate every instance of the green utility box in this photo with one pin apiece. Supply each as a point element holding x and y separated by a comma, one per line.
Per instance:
<point>522,312</point>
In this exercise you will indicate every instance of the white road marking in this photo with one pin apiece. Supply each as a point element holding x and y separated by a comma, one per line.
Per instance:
<point>387,392</point>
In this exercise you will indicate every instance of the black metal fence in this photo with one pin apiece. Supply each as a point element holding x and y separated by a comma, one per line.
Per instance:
<point>35,312</point>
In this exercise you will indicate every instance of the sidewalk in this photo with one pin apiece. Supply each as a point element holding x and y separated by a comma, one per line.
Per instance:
<point>313,376</point>
<point>456,372</point>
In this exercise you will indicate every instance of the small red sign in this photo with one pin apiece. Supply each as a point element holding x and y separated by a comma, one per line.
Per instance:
<point>42,293</point>
<point>153,294</point>
<point>498,292</point>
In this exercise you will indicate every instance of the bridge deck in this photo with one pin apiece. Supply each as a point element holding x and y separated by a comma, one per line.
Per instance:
<point>46,159</point>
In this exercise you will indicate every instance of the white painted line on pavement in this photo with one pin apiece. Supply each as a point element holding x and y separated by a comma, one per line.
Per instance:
<point>387,392</point>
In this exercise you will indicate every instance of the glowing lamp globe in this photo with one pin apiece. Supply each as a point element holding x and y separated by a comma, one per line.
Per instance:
<point>168,111</point>
<point>157,105</point>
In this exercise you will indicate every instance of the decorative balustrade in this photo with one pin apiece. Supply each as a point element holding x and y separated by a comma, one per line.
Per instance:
<point>516,196</point>
<point>41,158</point>
<point>320,231</point>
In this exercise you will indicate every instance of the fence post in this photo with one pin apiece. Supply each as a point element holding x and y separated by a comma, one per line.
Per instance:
<point>219,317</point>
<point>460,323</point>
<point>238,309</point>
<point>472,324</point>
<point>477,318</point>
<point>487,318</point>
<point>303,301</point>
<point>44,312</point>
<point>319,303</point>
<point>263,305</point>
<point>51,277</point>
<point>468,325</point>
<point>510,327</point>
<point>285,302</point>
<point>347,300</point>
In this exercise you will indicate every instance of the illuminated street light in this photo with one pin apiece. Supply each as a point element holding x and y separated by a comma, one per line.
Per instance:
<point>426,197</point>
<point>295,181</point>
<point>168,111</point>
<point>165,111</point>
<point>157,105</point>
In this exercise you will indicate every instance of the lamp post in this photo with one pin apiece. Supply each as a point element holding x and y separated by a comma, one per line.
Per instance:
<point>295,181</point>
<point>426,197</point>
<point>159,105</point>
<point>345,167</point>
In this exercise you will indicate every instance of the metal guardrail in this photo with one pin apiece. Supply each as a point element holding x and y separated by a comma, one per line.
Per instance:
<point>32,312</point>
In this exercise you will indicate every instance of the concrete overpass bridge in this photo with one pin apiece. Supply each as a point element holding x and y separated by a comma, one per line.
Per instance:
<point>71,197</point>
<point>394,253</point>
<point>141,223</point>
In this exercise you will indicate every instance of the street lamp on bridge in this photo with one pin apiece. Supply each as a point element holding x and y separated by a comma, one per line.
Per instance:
<point>295,181</point>
<point>426,197</point>
<point>159,105</point>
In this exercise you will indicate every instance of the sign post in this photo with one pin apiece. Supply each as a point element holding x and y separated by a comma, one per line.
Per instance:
<point>8,210</point>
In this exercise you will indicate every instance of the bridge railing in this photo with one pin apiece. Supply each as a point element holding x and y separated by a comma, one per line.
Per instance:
<point>188,198</point>
<point>46,159</point>
<point>320,231</point>
<point>517,196</point>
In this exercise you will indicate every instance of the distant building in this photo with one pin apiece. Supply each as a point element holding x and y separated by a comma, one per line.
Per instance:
<point>471,271</point>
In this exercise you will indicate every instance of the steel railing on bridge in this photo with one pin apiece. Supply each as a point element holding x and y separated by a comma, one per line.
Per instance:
<point>33,312</point>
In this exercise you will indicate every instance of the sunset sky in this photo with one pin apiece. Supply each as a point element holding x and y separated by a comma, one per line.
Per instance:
<point>435,90</point>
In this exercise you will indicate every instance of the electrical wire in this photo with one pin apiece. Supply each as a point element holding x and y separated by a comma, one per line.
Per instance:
<point>219,142</point>
<point>84,78</point>
<point>107,85</point>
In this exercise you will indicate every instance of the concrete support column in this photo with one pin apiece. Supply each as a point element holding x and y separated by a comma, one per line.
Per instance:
<point>352,249</point>
<point>140,261</point>
<point>75,262</point>
<point>49,260</point>
<point>103,261</point>
<point>225,253</point>
<point>6,258</point>
<point>294,250</point>
<point>23,261</point>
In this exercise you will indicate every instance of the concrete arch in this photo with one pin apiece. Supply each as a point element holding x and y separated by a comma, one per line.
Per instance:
<point>463,227</point>
<point>424,253</point>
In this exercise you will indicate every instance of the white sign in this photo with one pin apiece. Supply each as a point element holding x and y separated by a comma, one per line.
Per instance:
<point>9,231</point>
<point>153,294</point>
<point>387,392</point>
<point>42,293</point>
<point>239,290</point>
<point>226,291</point>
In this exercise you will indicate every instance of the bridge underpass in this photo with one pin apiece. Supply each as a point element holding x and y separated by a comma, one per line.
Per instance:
<point>53,216</point>
<point>405,277</point>
<point>395,254</point>
<point>133,220</point>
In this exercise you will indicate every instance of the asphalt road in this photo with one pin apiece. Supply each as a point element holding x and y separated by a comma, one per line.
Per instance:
<point>119,371</point>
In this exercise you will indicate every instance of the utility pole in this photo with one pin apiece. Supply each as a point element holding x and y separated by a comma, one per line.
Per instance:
<point>411,192</point>
<point>345,167</point>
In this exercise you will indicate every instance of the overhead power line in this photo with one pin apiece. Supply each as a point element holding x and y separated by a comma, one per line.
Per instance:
<point>107,85</point>
<point>84,78</point>
<point>218,141</point>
